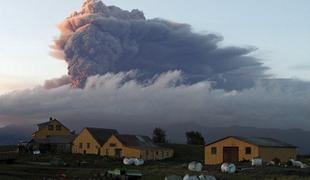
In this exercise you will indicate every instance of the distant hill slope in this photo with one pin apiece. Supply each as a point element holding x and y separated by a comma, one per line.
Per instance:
<point>296,137</point>
<point>176,133</point>
<point>13,134</point>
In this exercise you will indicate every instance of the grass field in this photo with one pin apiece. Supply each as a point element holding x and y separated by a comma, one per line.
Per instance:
<point>39,169</point>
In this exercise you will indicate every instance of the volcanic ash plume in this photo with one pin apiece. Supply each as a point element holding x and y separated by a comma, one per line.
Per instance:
<point>99,39</point>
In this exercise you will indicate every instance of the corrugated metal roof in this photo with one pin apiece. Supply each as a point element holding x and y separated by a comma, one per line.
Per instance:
<point>263,141</point>
<point>259,141</point>
<point>136,141</point>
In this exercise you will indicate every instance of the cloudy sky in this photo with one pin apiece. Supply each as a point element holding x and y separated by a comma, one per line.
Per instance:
<point>239,63</point>
<point>279,28</point>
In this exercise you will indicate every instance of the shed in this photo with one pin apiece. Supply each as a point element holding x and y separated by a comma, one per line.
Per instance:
<point>235,149</point>
<point>135,146</point>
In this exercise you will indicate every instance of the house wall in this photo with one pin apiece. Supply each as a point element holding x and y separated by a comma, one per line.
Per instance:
<point>145,154</point>
<point>270,153</point>
<point>85,137</point>
<point>212,159</point>
<point>44,132</point>
<point>108,149</point>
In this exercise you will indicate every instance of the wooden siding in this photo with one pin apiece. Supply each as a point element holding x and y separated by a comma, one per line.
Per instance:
<point>45,132</point>
<point>112,144</point>
<point>138,152</point>
<point>217,158</point>
<point>284,154</point>
<point>85,138</point>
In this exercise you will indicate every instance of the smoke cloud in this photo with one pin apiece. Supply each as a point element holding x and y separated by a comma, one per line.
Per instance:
<point>119,98</point>
<point>133,70</point>
<point>57,82</point>
<point>99,39</point>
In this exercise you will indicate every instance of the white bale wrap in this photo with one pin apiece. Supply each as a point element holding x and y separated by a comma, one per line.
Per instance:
<point>298,164</point>
<point>195,166</point>
<point>38,152</point>
<point>257,162</point>
<point>138,162</point>
<point>128,161</point>
<point>202,177</point>
<point>188,177</point>
<point>228,168</point>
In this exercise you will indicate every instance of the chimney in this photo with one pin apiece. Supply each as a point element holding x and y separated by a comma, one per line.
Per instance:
<point>51,119</point>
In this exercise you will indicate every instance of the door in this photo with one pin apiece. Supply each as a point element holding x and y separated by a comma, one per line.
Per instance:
<point>231,154</point>
<point>118,153</point>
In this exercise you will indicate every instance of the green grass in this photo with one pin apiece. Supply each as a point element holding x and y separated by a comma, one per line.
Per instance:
<point>152,170</point>
<point>186,153</point>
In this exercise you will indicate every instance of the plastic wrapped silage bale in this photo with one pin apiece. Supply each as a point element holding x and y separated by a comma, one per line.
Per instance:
<point>138,162</point>
<point>257,162</point>
<point>202,177</point>
<point>195,166</point>
<point>188,177</point>
<point>128,161</point>
<point>228,168</point>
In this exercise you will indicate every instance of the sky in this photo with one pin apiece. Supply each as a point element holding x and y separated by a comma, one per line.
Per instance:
<point>280,29</point>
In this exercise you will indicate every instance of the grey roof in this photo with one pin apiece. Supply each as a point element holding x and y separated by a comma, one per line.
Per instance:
<point>55,140</point>
<point>259,141</point>
<point>101,135</point>
<point>267,142</point>
<point>136,141</point>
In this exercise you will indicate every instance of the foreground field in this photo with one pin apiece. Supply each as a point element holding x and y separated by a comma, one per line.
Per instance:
<point>93,167</point>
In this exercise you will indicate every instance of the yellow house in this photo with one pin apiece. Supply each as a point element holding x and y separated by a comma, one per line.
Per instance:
<point>51,128</point>
<point>135,146</point>
<point>235,149</point>
<point>91,140</point>
<point>52,136</point>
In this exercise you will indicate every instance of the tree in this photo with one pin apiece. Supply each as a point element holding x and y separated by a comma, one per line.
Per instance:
<point>159,135</point>
<point>195,138</point>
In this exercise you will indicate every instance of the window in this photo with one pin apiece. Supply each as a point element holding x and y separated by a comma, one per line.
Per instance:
<point>213,150</point>
<point>58,127</point>
<point>51,127</point>
<point>112,145</point>
<point>88,145</point>
<point>107,152</point>
<point>248,150</point>
<point>81,145</point>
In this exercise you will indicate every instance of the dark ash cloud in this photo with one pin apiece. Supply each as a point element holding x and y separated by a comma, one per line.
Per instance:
<point>100,39</point>
<point>154,72</point>
<point>57,82</point>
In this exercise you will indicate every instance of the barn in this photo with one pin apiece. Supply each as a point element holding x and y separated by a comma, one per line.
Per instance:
<point>90,140</point>
<point>135,146</point>
<point>235,149</point>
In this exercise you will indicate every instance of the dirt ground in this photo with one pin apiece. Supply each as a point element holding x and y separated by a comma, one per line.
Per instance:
<point>80,167</point>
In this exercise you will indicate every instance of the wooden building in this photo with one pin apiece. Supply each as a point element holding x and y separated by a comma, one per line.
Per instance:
<point>51,136</point>
<point>135,146</point>
<point>52,144</point>
<point>107,142</point>
<point>91,140</point>
<point>51,128</point>
<point>235,149</point>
